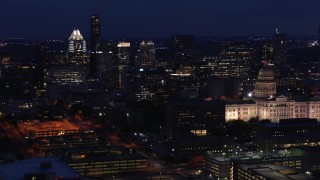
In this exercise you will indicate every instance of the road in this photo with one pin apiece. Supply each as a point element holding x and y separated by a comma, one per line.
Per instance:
<point>156,164</point>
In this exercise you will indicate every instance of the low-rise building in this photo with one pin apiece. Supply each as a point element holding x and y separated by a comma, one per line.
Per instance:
<point>273,109</point>
<point>49,168</point>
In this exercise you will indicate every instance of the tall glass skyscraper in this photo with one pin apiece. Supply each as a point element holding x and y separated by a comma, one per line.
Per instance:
<point>146,56</point>
<point>95,40</point>
<point>77,51</point>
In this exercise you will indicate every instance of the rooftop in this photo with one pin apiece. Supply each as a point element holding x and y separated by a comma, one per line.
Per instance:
<point>17,170</point>
<point>275,171</point>
<point>76,35</point>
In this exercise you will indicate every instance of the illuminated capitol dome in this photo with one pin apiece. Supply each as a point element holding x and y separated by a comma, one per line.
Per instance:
<point>266,84</point>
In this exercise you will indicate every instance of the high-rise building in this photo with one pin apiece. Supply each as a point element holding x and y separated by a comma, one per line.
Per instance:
<point>319,36</point>
<point>202,118</point>
<point>95,40</point>
<point>224,88</point>
<point>184,53</point>
<point>280,51</point>
<point>146,56</point>
<point>234,61</point>
<point>67,77</point>
<point>42,51</point>
<point>123,61</point>
<point>146,84</point>
<point>77,51</point>
<point>182,42</point>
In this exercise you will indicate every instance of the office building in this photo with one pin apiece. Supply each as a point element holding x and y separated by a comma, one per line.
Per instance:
<point>319,35</point>
<point>226,166</point>
<point>63,78</point>
<point>224,88</point>
<point>122,62</point>
<point>183,43</point>
<point>186,146</point>
<point>287,133</point>
<point>184,53</point>
<point>146,84</point>
<point>146,56</point>
<point>77,50</point>
<point>198,117</point>
<point>280,52</point>
<point>234,60</point>
<point>266,171</point>
<point>95,40</point>
<point>49,168</point>
<point>95,161</point>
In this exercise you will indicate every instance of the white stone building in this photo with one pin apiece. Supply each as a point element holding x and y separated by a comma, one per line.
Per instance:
<point>266,106</point>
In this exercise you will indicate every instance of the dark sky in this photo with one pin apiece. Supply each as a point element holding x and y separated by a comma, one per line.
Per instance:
<point>154,18</point>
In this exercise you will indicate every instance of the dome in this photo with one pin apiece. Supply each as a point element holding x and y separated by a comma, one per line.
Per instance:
<point>265,85</point>
<point>266,73</point>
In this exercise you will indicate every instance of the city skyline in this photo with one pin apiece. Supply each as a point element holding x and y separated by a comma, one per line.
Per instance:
<point>55,19</point>
<point>150,89</point>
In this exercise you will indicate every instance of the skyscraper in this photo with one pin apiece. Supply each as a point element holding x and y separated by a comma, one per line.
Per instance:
<point>280,51</point>
<point>319,36</point>
<point>146,56</point>
<point>123,61</point>
<point>77,51</point>
<point>184,52</point>
<point>234,60</point>
<point>182,42</point>
<point>95,40</point>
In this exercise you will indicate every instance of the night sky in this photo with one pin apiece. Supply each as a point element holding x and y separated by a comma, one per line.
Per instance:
<point>158,18</point>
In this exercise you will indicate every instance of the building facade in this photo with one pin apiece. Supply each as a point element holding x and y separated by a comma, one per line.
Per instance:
<point>274,109</point>
<point>266,84</point>
<point>95,38</point>
<point>77,50</point>
<point>146,56</point>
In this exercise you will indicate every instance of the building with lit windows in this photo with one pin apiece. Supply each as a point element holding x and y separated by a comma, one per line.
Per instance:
<point>66,77</point>
<point>229,166</point>
<point>182,43</point>
<point>224,88</point>
<point>266,84</point>
<point>267,171</point>
<point>146,84</point>
<point>184,146</point>
<point>77,50</point>
<point>146,56</point>
<point>123,61</point>
<point>49,168</point>
<point>244,110</point>
<point>280,53</point>
<point>287,133</point>
<point>274,109</point>
<point>94,161</point>
<point>95,40</point>
<point>202,118</point>
<point>267,106</point>
<point>183,82</point>
<point>234,61</point>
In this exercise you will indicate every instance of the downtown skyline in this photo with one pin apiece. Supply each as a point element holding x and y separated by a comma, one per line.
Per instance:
<point>142,18</point>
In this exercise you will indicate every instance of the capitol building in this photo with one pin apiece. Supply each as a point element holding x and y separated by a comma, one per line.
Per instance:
<point>267,106</point>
